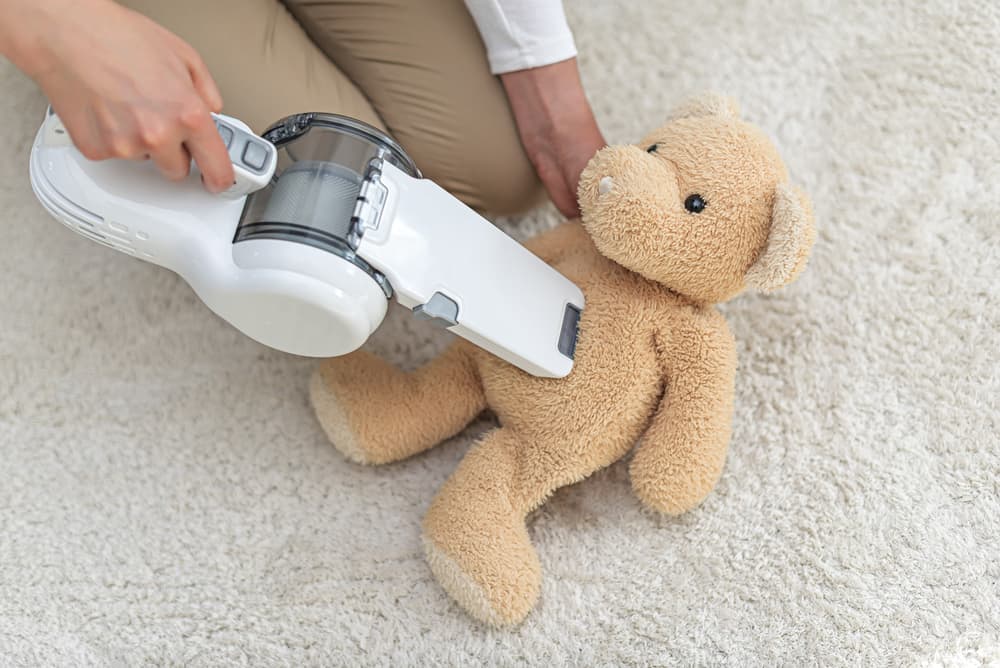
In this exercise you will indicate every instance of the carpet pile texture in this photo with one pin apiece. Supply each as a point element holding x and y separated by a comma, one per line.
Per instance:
<point>166,496</point>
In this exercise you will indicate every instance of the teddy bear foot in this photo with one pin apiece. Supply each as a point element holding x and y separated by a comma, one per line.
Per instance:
<point>375,413</point>
<point>341,392</point>
<point>333,417</point>
<point>493,588</point>
<point>475,537</point>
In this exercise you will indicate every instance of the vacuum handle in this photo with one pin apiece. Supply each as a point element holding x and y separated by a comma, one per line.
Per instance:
<point>253,157</point>
<point>129,206</point>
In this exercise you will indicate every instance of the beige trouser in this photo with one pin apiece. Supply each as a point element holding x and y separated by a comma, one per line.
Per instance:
<point>416,68</point>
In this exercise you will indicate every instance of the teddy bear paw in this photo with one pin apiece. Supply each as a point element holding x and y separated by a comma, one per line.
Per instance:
<point>500,594</point>
<point>675,495</point>
<point>333,417</point>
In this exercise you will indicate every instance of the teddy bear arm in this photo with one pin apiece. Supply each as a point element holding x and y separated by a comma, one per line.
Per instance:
<point>681,455</point>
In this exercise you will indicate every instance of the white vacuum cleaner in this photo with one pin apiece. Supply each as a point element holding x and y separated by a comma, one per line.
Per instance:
<point>328,220</point>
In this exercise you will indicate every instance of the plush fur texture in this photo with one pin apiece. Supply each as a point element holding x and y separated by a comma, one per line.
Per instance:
<point>654,361</point>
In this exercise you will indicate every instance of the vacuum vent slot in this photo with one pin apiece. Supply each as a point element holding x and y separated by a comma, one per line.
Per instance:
<point>89,230</point>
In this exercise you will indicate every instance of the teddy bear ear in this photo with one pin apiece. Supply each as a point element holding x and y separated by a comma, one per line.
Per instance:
<point>706,104</point>
<point>789,241</point>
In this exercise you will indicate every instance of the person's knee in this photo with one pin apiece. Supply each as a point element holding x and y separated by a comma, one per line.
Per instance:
<point>487,169</point>
<point>502,183</point>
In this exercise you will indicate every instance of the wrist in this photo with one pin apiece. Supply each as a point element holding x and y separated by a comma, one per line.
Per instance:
<point>20,38</point>
<point>553,115</point>
<point>548,93</point>
<point>556,125</point>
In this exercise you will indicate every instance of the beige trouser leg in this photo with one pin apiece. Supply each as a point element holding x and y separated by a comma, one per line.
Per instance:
<point>416,69</point>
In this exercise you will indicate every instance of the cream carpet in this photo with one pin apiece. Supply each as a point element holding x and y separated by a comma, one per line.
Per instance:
<point>167,498</point>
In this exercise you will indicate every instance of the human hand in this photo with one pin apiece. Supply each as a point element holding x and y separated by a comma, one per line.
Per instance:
<point>556,125</point>
<point>123,86</point>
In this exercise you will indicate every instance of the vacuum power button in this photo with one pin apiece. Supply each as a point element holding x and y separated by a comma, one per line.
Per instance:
<point>255,155</point>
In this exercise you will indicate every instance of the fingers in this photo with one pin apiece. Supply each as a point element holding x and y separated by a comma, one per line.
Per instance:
<point>202,140</point>
<point>85,131</point>
<point>555,183</point>
<point>171,140</point>
<point>155,138</point>
<point>206,147</point>
<point>173,161</point>
<point>145,93</point>
<point>565,200</point>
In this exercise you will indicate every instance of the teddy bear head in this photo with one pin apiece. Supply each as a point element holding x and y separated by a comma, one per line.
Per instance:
<point>702,205</point>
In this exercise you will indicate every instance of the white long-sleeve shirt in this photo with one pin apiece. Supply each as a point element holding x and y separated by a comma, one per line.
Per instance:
<point>520,34</point>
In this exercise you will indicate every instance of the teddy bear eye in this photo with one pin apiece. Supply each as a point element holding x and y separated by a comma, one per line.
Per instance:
<point>695,203</point>
<point>652,148</point>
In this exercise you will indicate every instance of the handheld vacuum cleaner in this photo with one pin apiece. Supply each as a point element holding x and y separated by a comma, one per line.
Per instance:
<point>328,219</point>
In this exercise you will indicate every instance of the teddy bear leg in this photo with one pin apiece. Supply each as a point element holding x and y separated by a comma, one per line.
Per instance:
<point>475,537</point>
<point>375,413</point>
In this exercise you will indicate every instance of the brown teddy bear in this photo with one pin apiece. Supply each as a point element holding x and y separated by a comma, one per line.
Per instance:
<point>698,211</point>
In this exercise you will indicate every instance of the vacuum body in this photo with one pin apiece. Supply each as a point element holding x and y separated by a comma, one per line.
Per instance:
<point>328,220</point>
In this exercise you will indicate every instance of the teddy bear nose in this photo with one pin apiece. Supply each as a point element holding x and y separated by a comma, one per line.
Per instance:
<point>605,185</point>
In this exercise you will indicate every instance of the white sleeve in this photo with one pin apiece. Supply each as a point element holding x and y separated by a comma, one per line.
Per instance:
<point>520,34</point>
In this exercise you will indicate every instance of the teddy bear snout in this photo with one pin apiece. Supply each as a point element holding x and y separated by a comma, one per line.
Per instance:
<point>605,185</point>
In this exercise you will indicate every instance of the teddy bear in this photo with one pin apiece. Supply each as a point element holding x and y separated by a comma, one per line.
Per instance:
<point>699,210</point>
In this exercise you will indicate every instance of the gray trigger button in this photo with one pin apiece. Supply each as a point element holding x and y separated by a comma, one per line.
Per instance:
<point>440,310</point>
<point>225,132</point>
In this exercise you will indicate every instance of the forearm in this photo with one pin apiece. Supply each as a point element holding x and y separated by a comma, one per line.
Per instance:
<point>551,92</point>
<point>123,86</point>
<point>556,125</point>
<point>27,27</point>
<point>16,43</point>
<point>529,44</point>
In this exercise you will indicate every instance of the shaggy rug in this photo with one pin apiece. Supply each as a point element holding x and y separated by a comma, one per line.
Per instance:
<point>166,496</point>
